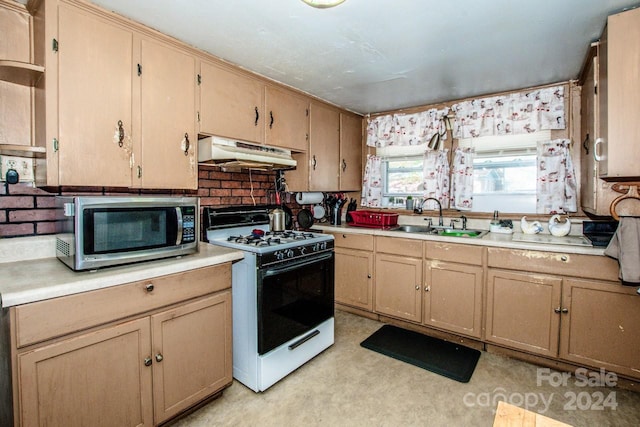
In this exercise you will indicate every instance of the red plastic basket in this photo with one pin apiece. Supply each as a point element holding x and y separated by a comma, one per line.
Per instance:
<point>373,219</point>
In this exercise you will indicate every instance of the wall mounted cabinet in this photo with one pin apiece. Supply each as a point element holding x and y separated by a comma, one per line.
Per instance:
<point>619,103</point>
<point>324,148</point>
<point>351,141</point>
<point>114,117</point>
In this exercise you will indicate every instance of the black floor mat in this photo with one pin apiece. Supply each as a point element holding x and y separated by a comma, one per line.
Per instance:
<point>445,358</point>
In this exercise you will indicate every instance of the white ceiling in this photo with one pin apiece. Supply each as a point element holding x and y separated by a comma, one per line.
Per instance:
<point>379,55</point>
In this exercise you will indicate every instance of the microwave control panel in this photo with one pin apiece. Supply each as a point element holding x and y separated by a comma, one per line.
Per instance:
<point>188,224</point>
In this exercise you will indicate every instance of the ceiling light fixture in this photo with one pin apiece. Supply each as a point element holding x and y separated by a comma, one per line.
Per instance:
<point>323,4</point>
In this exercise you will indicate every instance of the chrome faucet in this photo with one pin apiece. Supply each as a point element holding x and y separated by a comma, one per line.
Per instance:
<point>440,220</point>
<point>464,222</point>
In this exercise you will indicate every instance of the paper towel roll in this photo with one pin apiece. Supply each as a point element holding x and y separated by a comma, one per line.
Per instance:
<point>309,198</point>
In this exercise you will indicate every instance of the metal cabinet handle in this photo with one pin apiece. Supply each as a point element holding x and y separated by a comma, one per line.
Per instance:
<point>149,287</point>
<point>368,276</point>
<point>271,121</point>
<point>564,258</point>
<point>120,133</point>
<point>596,152</point>
<point>159,357</point>
<point>257,117</point>
<point>344,165</point>
<point>559,310</point>
<point>314,162</point>
<point>185,144</point>
<point>427,288</point>
<point>418,287</point>
<point>148,361</point>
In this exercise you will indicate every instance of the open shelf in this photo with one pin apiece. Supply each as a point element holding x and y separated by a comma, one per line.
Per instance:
<point>22,73</point>
<point>23,151</point>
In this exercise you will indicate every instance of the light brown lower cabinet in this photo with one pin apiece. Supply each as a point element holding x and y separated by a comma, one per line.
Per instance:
<point>139,371</point>
<point>354,270</point>
<point>520,311</point>
<point>353,278</point>
<point>601,326</point>
<point>95,379</point>
<point>398,278</point>
<point>453,297</point>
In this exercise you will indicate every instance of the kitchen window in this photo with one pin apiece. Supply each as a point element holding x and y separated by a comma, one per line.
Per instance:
<point>504,173</point>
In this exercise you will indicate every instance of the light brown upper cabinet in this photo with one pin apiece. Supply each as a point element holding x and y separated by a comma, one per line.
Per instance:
<point>595,194</point>
<point>619,104</point>
<point>287,122</point>
<point>119,116</point>
<point>88,98</point>
<point>166,154</point>
<point>324,148</point>
<point>231,103</point>
<point>350,152</point>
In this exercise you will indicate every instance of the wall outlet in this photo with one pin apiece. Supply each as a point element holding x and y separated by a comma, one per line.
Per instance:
<point>23,165</point>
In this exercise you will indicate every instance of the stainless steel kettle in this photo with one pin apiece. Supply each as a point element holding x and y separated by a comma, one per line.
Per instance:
<point>277,220</point>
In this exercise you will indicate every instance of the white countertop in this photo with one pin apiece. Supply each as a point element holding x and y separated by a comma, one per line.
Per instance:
<point>42,278</point>
<point>490,239</point>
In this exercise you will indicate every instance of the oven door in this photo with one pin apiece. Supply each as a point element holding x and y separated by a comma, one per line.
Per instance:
<point>294,298</point>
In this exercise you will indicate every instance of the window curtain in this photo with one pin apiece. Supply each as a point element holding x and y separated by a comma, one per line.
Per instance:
<point>406,129</point>
<point>372,182</point>
<point>462,179</point>
<point>436,178</point>
<point>517,113</point>
<point>556,181</point>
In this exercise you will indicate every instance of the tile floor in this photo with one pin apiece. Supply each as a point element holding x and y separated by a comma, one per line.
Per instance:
<point>348,385</point>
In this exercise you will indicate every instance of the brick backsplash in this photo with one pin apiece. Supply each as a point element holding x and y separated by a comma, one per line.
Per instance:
<point>28,211</point>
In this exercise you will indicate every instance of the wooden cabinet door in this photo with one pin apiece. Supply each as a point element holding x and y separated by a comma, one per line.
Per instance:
<point>353,278</point>
<point>287,121</point>
<point>350,153</point>
<point>398,286</point>
<point>324,148</point>
<point>520,311</point>
<point>94,66</point>
<point>231,104</point>
<point>453,297</point>
<point>167,155</point>
<point>96,379</point>
<point>619,88</point>
<point>191,353</point>
<point>601,325</point>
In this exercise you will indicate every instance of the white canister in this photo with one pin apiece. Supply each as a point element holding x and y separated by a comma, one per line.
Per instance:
<point>309,198</point>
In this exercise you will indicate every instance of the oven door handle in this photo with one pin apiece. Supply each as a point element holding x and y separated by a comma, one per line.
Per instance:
<point>291,267</point>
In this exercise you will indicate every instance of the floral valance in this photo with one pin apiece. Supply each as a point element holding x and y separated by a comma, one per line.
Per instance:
<point>405,129</point>
<point>517,113</point>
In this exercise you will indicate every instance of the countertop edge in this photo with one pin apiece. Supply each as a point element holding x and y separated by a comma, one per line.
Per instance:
<point>490,239</point>
<point>36,280</point>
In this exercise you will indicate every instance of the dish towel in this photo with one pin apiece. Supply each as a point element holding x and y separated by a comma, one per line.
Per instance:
<point>625,247</point>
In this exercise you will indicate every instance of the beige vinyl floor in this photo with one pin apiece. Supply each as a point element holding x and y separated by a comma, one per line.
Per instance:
<point>348,385</point>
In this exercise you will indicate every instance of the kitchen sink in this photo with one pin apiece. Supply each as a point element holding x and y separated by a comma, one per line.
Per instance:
<point>414,229</point>
<point>450,232</point>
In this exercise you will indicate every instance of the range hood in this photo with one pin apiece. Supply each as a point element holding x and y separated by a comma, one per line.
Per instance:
<point>232,155</point>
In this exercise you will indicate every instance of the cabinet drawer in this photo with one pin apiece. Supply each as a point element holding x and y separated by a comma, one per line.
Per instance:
<point>464,254</point>
<point>353,241</point>
<point>590,266</point>
<point>47,319</point>
<point>398,246</point>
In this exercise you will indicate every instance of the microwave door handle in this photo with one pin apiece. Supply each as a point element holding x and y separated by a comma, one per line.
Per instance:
<point>179,221</point>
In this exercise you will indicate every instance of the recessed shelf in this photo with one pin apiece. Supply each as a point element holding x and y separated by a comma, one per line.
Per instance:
<point>23,151</point>
<point>22,73</point>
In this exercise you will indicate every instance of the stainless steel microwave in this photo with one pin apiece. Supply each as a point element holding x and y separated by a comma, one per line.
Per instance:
<point>104,231</point>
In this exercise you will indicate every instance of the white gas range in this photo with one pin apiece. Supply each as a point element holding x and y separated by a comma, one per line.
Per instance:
<point>282,293</point>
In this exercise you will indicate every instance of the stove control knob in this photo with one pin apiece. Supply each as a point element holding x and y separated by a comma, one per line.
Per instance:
<point>279,255</point>
<point>290,253</point>
<point>302,250</point>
